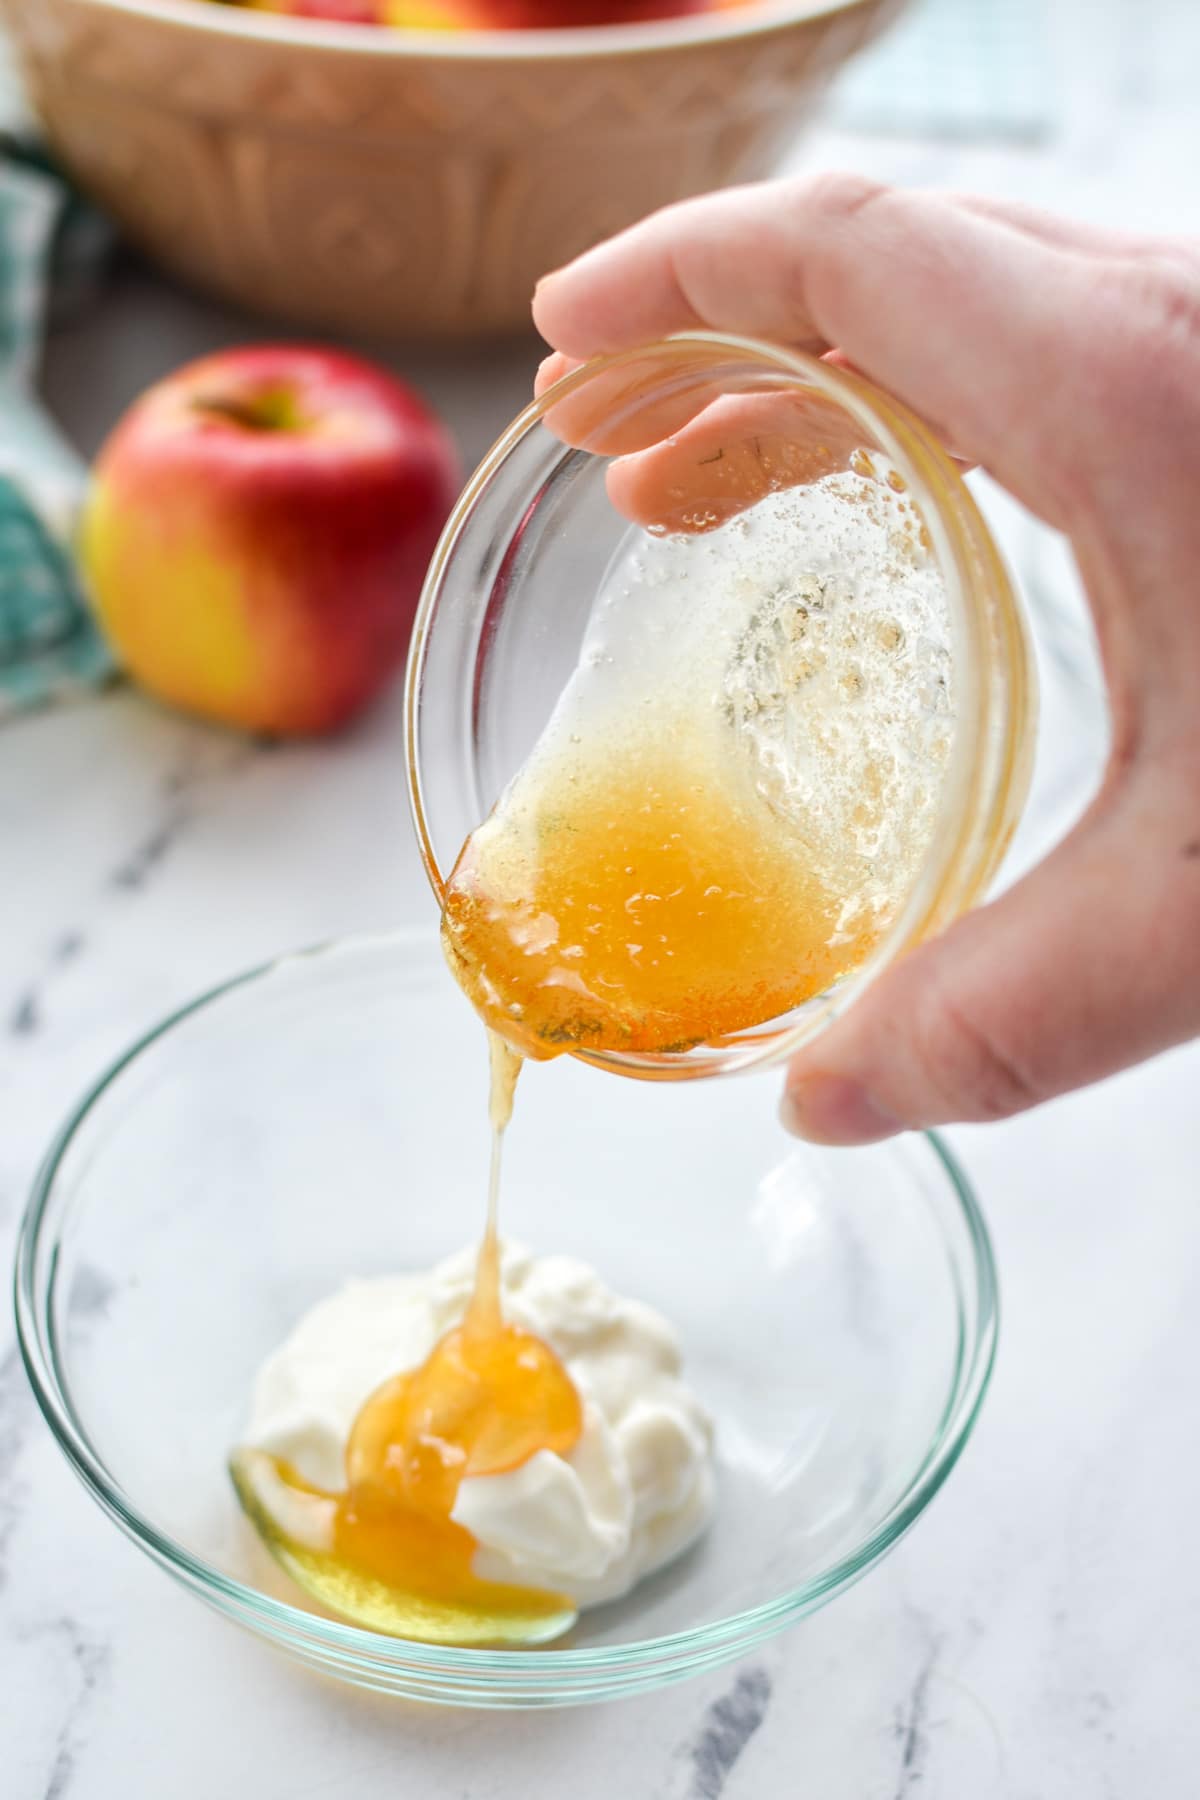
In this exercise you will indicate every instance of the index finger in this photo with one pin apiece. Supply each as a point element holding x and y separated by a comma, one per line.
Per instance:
<point>960,314</point>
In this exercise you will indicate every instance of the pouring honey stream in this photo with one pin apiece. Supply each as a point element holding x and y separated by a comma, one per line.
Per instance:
<point>740,932</point>
<point>648,882</point>
<point>386,1549</point>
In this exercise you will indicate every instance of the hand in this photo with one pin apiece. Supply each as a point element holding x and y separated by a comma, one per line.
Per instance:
<point>1065,361</point>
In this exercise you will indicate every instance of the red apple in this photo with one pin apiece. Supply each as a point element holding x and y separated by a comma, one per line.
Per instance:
<point>530,15</point>
<point>342,12</point>
<point>345,12</point>
<point>546,15</point>
<point>489,15</point>
<point>257,531</point>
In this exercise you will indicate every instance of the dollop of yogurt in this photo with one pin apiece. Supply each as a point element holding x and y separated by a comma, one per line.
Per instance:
<point>634,1493</point>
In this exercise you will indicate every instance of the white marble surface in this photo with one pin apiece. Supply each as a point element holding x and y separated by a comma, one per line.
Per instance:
<point>1036,1638</point>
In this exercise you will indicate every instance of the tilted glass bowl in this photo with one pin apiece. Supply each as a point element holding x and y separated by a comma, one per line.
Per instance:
<point>536,536</point>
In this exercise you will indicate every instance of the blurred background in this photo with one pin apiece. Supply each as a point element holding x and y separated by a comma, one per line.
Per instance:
<point>195,184</point>
<point>1084,107</point>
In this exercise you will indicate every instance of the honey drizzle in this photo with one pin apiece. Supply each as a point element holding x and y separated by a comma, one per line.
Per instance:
<point>641,896</point>
<point>488,1397</point>
<point>484,1315</point>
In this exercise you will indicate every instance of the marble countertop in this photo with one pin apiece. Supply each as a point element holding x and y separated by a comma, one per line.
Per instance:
<point>1036,1638</point>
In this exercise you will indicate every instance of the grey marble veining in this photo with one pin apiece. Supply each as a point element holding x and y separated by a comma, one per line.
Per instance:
<point>1037,1637</point>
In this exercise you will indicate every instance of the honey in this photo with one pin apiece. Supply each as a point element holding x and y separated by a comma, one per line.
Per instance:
<point>718,823</point>
<point>489,1395</point>
<point>641,899</point>
<point>734,795</point>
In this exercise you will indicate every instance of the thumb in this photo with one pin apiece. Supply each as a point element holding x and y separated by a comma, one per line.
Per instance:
<point>1089,964</point>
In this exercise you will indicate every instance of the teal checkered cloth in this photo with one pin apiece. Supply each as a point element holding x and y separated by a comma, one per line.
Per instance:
<point>49,646</point>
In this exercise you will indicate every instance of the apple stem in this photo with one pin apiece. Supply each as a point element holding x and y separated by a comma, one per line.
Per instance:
<point>269,412</point>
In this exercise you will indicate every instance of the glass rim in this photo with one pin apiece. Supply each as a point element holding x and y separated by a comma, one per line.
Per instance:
<point>992,756</point>
<point>496,1677</point>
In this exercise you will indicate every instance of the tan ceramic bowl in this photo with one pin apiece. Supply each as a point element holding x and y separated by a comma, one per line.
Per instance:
<point>392,182</point>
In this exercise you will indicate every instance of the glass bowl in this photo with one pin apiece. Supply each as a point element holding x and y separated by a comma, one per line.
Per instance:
<point>325,1117</point>
<point>715,446</point>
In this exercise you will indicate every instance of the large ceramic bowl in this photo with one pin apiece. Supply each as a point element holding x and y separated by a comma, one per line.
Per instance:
<point>324,1118</point>
<point>396,182</point>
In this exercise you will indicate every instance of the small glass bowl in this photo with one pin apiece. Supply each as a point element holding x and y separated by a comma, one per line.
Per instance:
<point>325,1117</point>
<point>536,535</point>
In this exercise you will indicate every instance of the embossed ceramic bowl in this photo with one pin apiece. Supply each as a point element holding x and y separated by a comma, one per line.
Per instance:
<point>395,182</point>
<point>325,1117</point>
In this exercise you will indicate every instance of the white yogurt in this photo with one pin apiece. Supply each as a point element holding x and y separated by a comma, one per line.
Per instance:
<point>635,1491</point>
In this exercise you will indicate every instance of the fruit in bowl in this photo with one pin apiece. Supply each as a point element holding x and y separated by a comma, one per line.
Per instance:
<point>257,532</point>
<point>487,15</point>
<point>390,184</point>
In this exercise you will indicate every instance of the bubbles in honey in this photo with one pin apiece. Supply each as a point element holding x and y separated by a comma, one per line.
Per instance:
<point>736,790</point>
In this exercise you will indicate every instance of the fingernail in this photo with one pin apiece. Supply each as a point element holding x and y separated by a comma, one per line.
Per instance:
<point>827,1109</point>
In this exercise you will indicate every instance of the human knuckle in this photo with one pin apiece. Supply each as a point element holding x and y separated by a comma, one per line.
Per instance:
<point>1156,331</point>
<point>837,195</point>
<point>1170,281</point>
<point>1128,380</point>
<point>964,1063</point>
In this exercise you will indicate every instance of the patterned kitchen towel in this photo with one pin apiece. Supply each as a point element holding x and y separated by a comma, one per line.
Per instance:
<point>49,646</point>
<point>960,69</point>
